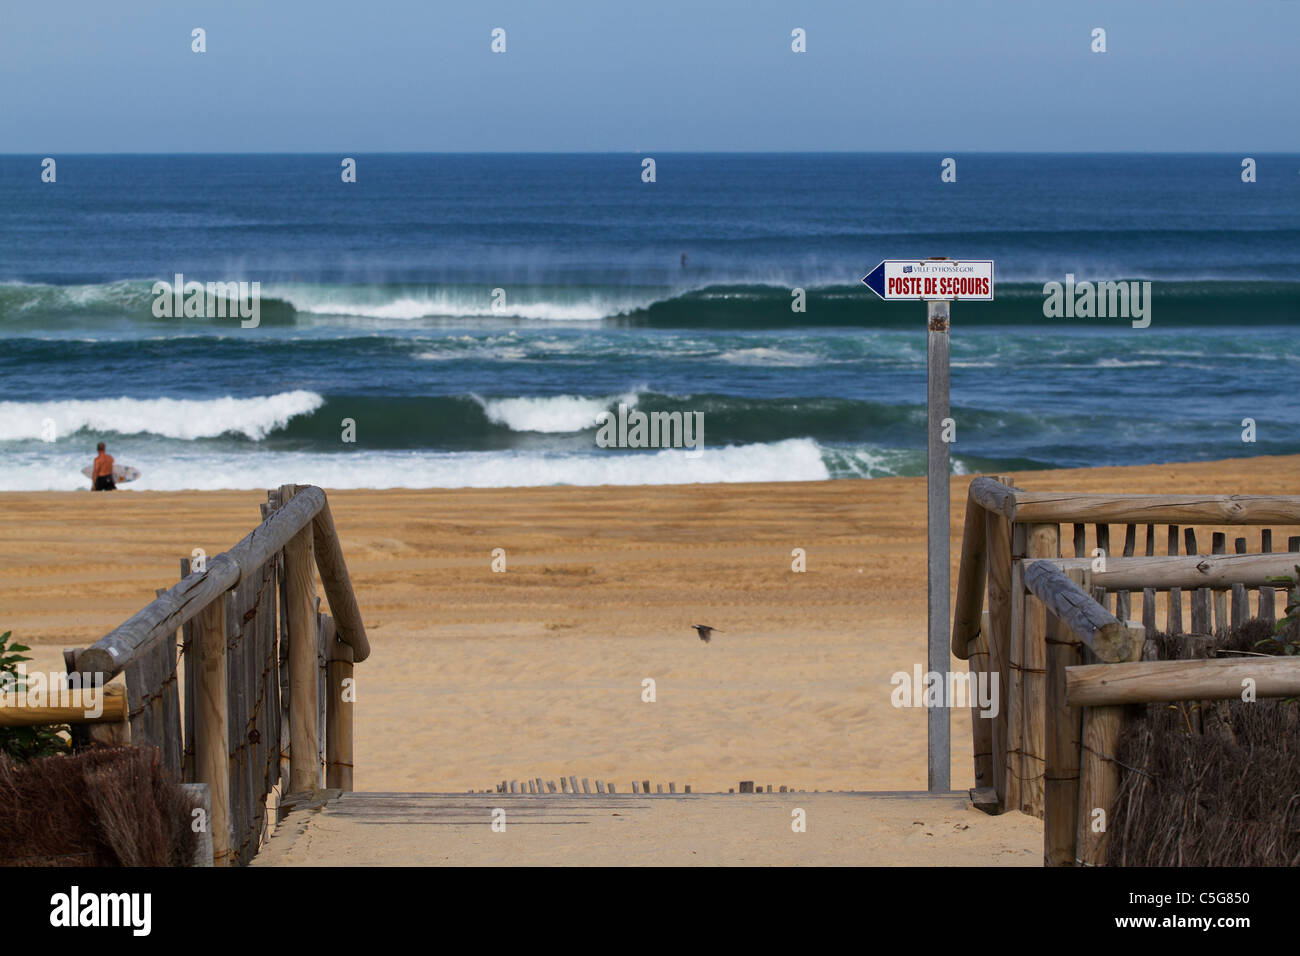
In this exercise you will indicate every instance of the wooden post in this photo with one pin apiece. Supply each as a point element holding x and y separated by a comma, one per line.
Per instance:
<point>1013,695</point>
<point>970,582</point>
<point>115,733</point>
<point>981,727</point>
<point>201,799</point>
<point>211,741</point>
<point>1098,779</point>
<point>1064,730</point>
<point>300,583</point>
<point>998,563</point>
<point>1042,541</point>
<point>338,717</point>
<point>938,531</point>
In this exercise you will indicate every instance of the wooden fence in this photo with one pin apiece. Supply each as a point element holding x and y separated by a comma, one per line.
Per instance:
<point>268,678</point>
<point>1066,663</point>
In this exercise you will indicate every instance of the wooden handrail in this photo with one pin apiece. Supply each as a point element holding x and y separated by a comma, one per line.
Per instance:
<point>338,584</point>
<point>111,654</point>
<point>1145,682</point>
<point>1106,635</point>
<point>1187,571</point>
<point>1039,506</point>
<point>1034,507</point>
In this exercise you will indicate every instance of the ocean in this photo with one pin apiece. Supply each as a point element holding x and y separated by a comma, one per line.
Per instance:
<point>471,315</point>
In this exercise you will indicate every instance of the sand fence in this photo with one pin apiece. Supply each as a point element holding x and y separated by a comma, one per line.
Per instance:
<point>1067,658</point>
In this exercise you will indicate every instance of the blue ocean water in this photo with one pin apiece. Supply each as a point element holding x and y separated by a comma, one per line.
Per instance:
<point>380,305</point>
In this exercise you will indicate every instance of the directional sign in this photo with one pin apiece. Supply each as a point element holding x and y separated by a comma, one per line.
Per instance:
<point>915,279</point>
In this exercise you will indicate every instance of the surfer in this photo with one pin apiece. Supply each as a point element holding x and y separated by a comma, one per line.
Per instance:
<point>101,472</point>
<point>683,260</point>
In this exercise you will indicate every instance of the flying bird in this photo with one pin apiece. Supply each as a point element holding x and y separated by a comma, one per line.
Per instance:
<point>705,631</point>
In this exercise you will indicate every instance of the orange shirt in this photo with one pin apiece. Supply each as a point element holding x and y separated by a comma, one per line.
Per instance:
<point>103,465</point>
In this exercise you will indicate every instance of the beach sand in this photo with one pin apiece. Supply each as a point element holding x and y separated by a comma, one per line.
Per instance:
<point>477,676</point>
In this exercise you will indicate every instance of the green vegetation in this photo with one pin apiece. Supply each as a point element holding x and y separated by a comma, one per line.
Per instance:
<point>24,743</point>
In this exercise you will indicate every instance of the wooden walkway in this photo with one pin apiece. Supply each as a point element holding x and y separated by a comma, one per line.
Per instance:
<point>706,829</point>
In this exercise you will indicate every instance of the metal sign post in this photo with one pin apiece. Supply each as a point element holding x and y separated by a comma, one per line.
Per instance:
<point>939,726</point>
<point>936,281</point>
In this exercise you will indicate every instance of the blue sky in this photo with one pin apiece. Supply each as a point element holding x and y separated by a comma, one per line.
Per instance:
<point>610,75</point>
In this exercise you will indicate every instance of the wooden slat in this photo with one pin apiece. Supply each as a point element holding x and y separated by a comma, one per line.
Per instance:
<point>1267,607</point>
<point>1174,614</point>
<point>1201,622</point>
<point>1219,596</point>
<point>1102,532</point>
<point>1149,594</point>
<point>1240,600</point>
<point>1080,540</point>
<point>1123,599</point>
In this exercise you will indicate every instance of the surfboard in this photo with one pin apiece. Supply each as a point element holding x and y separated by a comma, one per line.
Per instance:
<point>121,473</point>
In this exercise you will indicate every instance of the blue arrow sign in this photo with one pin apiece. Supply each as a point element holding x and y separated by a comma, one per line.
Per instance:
<point>875,280</point>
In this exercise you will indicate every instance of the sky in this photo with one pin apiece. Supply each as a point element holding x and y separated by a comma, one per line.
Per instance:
<point>88,76</point>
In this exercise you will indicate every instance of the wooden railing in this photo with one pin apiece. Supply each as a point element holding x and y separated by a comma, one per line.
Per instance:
<point>268,679</point>
<point>1048,616</point>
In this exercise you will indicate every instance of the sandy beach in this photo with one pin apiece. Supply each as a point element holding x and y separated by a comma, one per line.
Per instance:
<point>479,675</point>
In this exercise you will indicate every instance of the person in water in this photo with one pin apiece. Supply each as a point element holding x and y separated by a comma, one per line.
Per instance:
<point>101,473</point>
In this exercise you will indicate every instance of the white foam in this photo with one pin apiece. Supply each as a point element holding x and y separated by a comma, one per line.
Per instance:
<point>774,358</point>
<point>550,414</point>
<point>450,304</point>
<point>182,418</point>
<point>796,459</point>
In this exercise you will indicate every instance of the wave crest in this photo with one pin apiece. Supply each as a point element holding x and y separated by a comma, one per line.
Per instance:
<point>180,418</point>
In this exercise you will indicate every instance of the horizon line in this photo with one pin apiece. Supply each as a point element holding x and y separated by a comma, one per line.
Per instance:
<point>676,152</point>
